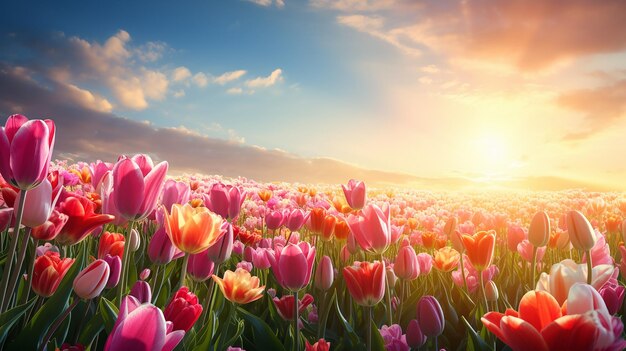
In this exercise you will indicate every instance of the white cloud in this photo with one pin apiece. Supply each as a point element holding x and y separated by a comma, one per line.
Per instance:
<point>200,79</point>
<point>181,73</point>
<point>150,51</point>
<point>425,80</point>
<point>268,3</point>
<point>432,69</point>
<point>264,82</point>
<point>234,91</point>
<point>375,26</point>
<point>229,77</point>
<point>179,93</point>
<point>353,5</point>
<point>89,100</point>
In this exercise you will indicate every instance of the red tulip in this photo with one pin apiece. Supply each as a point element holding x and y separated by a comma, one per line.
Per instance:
<point>48,272</point>
<point>111,243</point>
<point>366,282</point>
<point>137,186</point>
<point>51,228</point>
<point>320,345</point>
<point>81,219</point>
<point>316,220</point>
<point>25,150</point>
<point>184,310</point>
<point>284,305</point>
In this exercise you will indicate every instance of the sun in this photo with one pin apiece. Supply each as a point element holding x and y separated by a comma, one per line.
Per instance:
<point>491,154</point>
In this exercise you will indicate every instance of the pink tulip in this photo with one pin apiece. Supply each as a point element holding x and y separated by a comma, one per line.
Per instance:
<point>137,186</point>
<point>355,193</point>
<point>25,150</point>
<point>200,266</point>
<point>414,336</point>
<point>6,218</point>
<point>223,248</point>
<point>514,236</point>
<point>581,234</point>
<point>275,219</point>
<point>115,268</point>
<point>430,316</point>
<point>525,250</point>
<point>260,257</point>
<point>539,231</point>
<point>406,266</point>
<point>142,327</point>
<point>225,200</point>
<point>175,193</point>
<point>141,291</point>
<point>90,282</point>
<point>161,250</point>
<point>425,262</point>
<point>39,203</point>
<point>372,229</point>
<point>324,274</point>
<point>292,265</point>
<point>98,170</point>
<point>296,219</point>
<point>107,195</point>
<point>613,295</point>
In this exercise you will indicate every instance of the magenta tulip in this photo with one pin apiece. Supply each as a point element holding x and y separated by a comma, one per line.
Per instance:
<point>98,170</point>
<point>161,250</point>
<point>141,291</point>
<point>292,265</point>
<point>414,336</point>
<point>355,193</point>
<point>223,248</point>
<point>90,282</point>
<point>372,229</point>
<point>275,219</point>
<point>137,186</point>
<point>225,200</point>
<point>6,218</point>
<point>107,195</point>
<point>175,193</point>
<point>430,316</point>
<point>115,268</point>
<point>200,266</point>
<point>141,327</point>
<point>25,150</point>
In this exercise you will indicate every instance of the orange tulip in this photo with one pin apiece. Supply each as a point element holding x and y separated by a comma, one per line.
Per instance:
<point>341,229</point>
<point>479,248</point>
<point>240,286</point>
<point>265,195</point>
<point>192,230</point>
<point>328,227</point>
<point>428,240</point>
<point>366,282</point>
<point>446,259</point>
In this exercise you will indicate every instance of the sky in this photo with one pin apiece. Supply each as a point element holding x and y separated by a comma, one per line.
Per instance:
<point>326,90</point>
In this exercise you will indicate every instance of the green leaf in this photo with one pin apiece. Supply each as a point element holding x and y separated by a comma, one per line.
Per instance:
<point>351,333</point>
<point>91,330</point>
<point>378,344</point>
<point>109,313</point>
<point>264,336</point>
<point>8,318</point>
<point>32,335</point>
<point>478,342</point>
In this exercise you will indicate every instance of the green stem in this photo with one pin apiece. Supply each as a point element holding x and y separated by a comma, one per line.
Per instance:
<point>57,323</point>
<point>533,282</point>
<point>17,270</point>
<point>482,290</point>
<point>183,272</point>
<point>121,287</point>
<point>296,316</point>
<point>589,268</point>
<point>368,328</point>
<point>12,249</point>
<point>463,273</point>
<point>321,325</point>
<point>388,294</point>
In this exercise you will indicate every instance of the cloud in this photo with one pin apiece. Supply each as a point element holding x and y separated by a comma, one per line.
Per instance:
<point>264,82</point>
<point>180,74</point>
<point>525,35</point>
<point>601,107</point>
<point>353,5</point>
<point>87,135</point>
<point>374,26</point>
<point>179,93</point>
<point>200,79</point>
<point>268,3</point>
<point>229,77</point>
<point>234,91</point>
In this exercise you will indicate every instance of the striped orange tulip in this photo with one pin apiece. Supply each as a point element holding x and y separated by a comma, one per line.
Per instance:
<point>192,229</point>
<point>240,286</point>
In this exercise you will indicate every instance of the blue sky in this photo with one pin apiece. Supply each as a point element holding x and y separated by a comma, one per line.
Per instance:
<point>482,90</point>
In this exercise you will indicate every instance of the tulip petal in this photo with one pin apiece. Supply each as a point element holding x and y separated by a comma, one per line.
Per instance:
<point>153,186</point>
<point>572,332</point>
<point>521,335</point>
<point>129,188</point>
<point>539,308</point>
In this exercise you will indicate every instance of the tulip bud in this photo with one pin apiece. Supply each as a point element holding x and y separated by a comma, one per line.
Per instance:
<point>430,316</point>
<point>223,248</point>
<point>491,291</point>
<point>184,310</point>
<point>581,234</point>
<point>115,267</point>
<point>324,274</point>
<point>135,240</point>
<point>539,230</point>
<point>450,226</point>
<point>90,282</point>
<point>200,266</point>
<point>390,276</point>
<point>161,250</point>
<point>141,291</point>
<point>6,218</point>
<point>144,274</point>
<point>414,336</point>
<point>406,265</point>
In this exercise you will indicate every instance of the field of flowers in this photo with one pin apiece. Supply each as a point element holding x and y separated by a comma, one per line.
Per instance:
<point>119,256</point>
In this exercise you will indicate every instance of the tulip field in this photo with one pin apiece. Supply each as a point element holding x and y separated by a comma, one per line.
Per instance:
<point>120,255</point>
